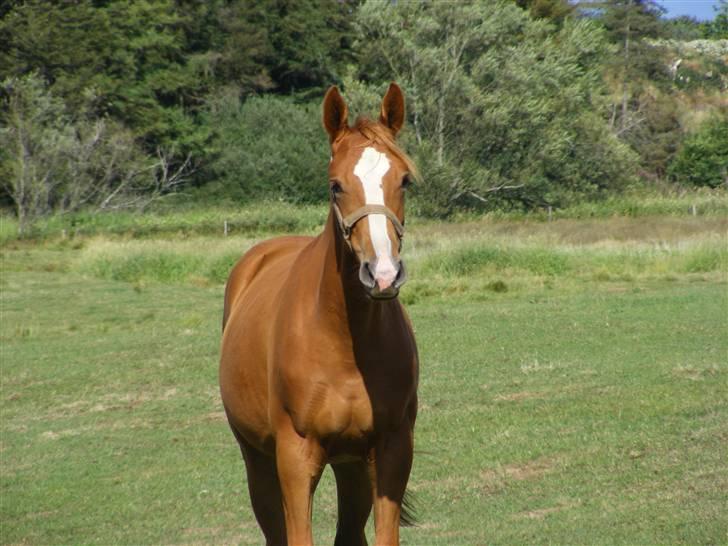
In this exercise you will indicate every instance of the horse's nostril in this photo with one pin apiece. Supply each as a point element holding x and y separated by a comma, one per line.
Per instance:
<point>401,277</point>
<point>365,275</point>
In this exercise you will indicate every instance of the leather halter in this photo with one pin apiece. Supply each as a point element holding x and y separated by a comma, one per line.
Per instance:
<point>347,223</point>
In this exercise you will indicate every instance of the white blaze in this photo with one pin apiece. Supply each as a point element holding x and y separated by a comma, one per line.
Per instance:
<point>371,168</point>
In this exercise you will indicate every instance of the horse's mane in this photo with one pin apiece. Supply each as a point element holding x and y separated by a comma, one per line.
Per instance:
<point>377,133</point>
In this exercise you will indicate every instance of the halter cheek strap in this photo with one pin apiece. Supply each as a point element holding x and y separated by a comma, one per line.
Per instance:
<point>346,223</point>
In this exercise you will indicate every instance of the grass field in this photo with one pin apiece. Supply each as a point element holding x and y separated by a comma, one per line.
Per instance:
<point>574,387</point>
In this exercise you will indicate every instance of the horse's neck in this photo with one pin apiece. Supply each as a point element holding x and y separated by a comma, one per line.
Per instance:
<point>340,290</point>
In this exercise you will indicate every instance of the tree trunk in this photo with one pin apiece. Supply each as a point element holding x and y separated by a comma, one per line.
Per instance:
<point>19,185</point>
<point>626,70</point>
<point>415,102</point>
<point>441,130</point>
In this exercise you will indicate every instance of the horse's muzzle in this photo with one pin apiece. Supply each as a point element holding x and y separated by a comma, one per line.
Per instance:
<point>375,288</point>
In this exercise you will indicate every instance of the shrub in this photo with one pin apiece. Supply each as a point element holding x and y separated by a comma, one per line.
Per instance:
<point>703,158</point>
<point>53,163</point>
<point>269,148</point>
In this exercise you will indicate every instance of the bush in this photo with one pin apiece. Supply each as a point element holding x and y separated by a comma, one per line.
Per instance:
<point>703,158</point>
<point>53,163</point>
<point>269,148</point>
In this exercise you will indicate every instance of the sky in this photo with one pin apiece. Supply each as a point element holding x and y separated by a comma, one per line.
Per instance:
<point>700,9</point>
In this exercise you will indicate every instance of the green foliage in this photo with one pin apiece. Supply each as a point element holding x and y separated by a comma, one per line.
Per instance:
<point>245,52</point>
<point>718,28</point>
<point>684,28</point>
<point>632,25</point>
<point>66,43</point>
<point>513,104</point>
<point>703,158</point>
<point>269,148</point>
<point>129,55</point>
<point>311,41</point>
<point>657,134</point>
<point>50,162</point>
<point>284,45</point>
<point>462,65</point>
<point>554,10</point>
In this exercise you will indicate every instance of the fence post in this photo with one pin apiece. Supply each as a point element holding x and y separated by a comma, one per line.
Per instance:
<point>549,213</point>
<point>225,229</point>
<point>694,209</point>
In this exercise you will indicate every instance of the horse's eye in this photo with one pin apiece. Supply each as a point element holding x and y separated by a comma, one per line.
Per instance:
<point>336,187</point>
<point>406,182</point>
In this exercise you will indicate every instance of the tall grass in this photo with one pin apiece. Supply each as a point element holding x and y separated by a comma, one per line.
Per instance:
<point>250,219</point>
<point>472,260</point>
<point>198,261</point>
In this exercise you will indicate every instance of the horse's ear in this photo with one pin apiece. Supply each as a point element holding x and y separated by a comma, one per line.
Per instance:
<point>392,112</point>
<point>336,113</point>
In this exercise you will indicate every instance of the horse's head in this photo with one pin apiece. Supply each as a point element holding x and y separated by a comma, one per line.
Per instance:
<point>368,175</point>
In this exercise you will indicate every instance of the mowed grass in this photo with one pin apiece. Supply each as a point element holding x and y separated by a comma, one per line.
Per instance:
<point>573,388</point>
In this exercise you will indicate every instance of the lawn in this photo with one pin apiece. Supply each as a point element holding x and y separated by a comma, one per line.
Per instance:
<point>574,380</point>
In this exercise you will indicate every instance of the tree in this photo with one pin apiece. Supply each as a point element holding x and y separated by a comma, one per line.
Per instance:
<point>554,10</point>
<point>52,163</point>
<point>34,140</point>
<point>312,43</point>
<point>131,56</point>
<point>66,43</point>
<point>684,28</point>
<point>717,29</point>
<point>505,109</point>
<point>703,157</point>
<point>285,45</point>
<point>629,25</point>
<point>287,161</point>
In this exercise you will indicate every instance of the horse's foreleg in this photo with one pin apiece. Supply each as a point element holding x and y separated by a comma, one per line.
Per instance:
<point>300,462</point>
<point>265,494</point>
<point>355,503</point>
<point>390,469</point>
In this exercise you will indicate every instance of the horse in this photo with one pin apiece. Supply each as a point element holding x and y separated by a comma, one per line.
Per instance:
<point>318,360</point>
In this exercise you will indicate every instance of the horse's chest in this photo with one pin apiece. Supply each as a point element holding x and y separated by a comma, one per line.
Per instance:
<point>334,409</point>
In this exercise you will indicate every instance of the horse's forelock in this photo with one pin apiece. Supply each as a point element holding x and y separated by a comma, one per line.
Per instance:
<point>377,133</point>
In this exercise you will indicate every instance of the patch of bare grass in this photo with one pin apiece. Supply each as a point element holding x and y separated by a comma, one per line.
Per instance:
<point>542,513</point>
<point>519,396</point>
<point>520,471</point>
<point>697,373</point>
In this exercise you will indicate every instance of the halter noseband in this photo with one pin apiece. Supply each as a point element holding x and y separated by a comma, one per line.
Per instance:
<point>346,223</point>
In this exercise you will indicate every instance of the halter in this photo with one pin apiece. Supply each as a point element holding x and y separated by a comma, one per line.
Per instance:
<point>347,223</point>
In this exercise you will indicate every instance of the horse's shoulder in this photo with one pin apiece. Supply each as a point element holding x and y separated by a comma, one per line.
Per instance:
<point>269,257</point>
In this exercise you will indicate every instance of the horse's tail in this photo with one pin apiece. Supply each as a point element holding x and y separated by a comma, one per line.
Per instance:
<point>407,515</point>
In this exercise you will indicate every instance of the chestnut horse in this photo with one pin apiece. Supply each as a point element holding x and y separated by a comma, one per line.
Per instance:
<point>319,363</point>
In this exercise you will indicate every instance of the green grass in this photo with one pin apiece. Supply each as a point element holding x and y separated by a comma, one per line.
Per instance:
<point>573,387</point>
<point>256,218</point>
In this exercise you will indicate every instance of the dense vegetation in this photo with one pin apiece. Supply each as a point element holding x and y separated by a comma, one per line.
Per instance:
<point>519,104</point>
